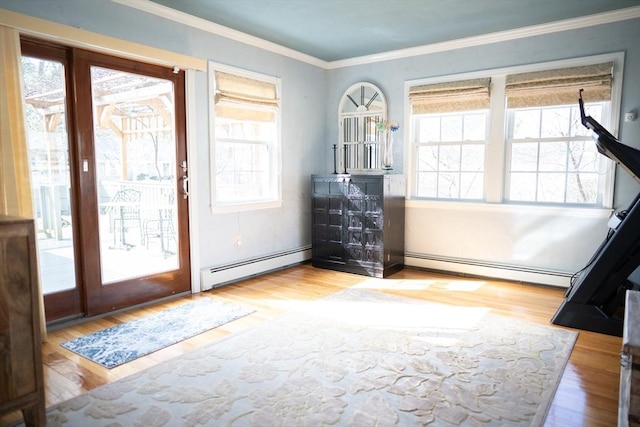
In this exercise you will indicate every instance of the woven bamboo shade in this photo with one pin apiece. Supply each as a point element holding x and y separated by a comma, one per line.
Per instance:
<point>462,95</point>
<point>559,87</point>
<point>244,98</point>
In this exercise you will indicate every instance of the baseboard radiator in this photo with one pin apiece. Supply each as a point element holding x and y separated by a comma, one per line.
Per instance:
<point>214,277</point>
<point>487,269</point>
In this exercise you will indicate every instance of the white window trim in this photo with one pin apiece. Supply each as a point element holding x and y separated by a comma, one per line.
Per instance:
<point>495,154</point>
<point>276,202</point>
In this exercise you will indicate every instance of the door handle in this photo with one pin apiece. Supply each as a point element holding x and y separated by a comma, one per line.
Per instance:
<point>185,179</point>
<point>185,186</point>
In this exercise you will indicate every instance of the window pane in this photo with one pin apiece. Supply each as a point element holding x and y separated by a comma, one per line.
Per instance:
<point>524,157</point>
<point>449,185</point>
<point>555,122</point>
<point>577,128</point>
<point>134,139</point>
<point>242,172</point>
<point>471,186</point>
<point>449,158</point>
<point>551,187</point>
<point>48,150</point>
<point>472,157</point>
<point>526,124</point>
<point>582,188</point>
<point>553,156</point>
<point>428,129</point>
<point>523,187</point>
<point>475,127</point>
<point>593,110</point>
<point>452,128</point>
<point>583,156</point>
<point>427,184</point>
<point>428,158</point>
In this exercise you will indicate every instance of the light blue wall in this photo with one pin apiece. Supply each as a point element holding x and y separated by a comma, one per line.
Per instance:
<point>450,235</point>
<point>390,75</point>
<point>303,116</point>
<point>310,97</point>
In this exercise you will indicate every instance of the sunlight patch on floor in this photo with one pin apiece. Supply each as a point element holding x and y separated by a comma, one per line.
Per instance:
<point>401,284</point>
<point>422,315</point>
<point>464,285</point>
<point>420,285</point>
<point>419,315</point>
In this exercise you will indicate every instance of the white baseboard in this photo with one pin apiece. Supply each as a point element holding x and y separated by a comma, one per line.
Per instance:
<point>214,277</point>
<point>484,269</point>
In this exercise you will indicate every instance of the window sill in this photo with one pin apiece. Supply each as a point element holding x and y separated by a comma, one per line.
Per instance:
<point>245,207</point>
<point>572,211</point>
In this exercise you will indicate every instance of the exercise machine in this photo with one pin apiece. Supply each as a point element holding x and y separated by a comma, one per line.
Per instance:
<point>595,299</point>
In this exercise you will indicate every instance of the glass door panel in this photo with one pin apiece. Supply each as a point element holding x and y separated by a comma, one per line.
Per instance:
<point>135,156</point>
<point>48,145</point>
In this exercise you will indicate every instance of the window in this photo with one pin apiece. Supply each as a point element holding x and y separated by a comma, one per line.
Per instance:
<point>514,135</point>
<point>552,156</point>
<point>245,134</point>
<point>449,123</point>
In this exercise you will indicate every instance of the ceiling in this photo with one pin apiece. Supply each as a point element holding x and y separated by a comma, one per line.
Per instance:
<point>332,30</point>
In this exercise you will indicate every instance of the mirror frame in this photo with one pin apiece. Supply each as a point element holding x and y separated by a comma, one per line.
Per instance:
<point>361,107</point>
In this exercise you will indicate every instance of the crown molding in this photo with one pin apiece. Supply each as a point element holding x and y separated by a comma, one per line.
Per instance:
<point>531,31</point>
<point>220,30</point>
<point>501,36</point>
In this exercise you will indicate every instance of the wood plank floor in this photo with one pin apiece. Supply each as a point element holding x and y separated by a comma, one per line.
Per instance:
<point>587,394</point>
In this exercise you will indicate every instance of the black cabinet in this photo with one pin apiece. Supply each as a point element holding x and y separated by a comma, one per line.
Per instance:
<point>358,223</point>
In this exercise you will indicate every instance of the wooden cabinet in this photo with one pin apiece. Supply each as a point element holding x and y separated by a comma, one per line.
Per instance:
<point>358,223</point>
<point>629,397</point>
<point>21,380</point>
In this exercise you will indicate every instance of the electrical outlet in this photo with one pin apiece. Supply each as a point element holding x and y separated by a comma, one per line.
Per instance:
<point>238,241</point>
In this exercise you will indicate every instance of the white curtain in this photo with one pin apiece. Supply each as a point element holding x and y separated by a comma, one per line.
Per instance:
<point>15,185</point>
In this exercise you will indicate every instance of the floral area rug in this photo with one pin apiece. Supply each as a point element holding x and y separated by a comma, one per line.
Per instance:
<point>125,342</point>
<point>356,358</point>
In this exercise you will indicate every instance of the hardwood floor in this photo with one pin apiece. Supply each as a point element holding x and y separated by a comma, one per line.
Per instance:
<point>587,394</point>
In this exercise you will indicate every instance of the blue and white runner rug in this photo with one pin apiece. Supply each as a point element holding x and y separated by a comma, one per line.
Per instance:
<point>125,342</point>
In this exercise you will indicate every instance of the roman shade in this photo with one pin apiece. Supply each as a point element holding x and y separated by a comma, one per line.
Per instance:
<point>462,95</point>
<point>244,98</point>
<point>559,87</point>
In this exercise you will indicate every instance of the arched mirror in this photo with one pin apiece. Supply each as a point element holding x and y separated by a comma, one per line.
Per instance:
<point>362,107</point>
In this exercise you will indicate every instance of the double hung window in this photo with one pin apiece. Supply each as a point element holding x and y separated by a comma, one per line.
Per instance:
<point>449,123</point>
<point>245,135</point>
<point>503,136</point>
<point>552,157</point>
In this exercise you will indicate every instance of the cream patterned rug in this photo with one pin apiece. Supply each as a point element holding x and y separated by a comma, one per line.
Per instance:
<point>356,358</point>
